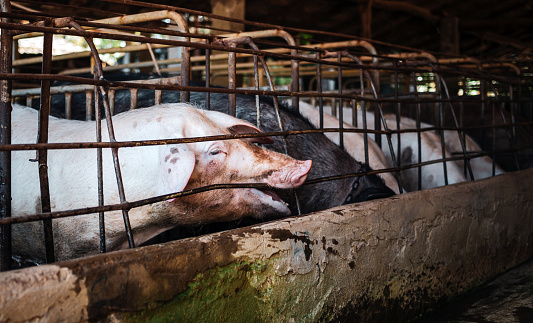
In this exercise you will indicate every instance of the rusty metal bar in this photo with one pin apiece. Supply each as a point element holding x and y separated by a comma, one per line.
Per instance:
<point>232,98</point>
<point>257,104</point>
<point>100,172</point>
<point>207,75</point>
<point>133,98</point>
<point>418,133</point>
<point>42,137</point>
<point>88,105</point>
<point>339,80</point>
<point>123,144</point>
<point>6,45</point>
<point>398,114</point>
<point>319,90</point>
<point>99,75</point>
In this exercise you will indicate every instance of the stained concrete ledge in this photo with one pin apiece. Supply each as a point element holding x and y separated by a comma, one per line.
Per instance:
<point>385,260</point>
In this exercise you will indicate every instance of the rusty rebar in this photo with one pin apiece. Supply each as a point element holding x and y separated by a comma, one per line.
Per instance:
<point>42,138</point>
<point>6,43</point>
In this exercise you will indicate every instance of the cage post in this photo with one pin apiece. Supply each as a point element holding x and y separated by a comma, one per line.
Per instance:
<point>6,42</point>
<point>339,80</point>
<point>42,137</point>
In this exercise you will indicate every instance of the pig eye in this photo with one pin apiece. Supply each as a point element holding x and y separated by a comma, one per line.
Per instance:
<point>215,152</point>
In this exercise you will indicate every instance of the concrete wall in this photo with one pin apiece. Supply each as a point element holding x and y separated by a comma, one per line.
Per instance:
<point>385,260</point>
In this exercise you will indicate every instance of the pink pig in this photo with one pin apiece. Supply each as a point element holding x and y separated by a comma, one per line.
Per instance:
<point>147,171</point>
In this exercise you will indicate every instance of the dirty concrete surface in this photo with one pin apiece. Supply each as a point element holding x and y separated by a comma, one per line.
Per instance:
<point>508,298</point>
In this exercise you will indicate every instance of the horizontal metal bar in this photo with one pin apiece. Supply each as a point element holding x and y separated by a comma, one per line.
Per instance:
<point>123,144</point>
<point>139,203</point>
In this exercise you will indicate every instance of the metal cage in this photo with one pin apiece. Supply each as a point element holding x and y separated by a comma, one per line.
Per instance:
<point>394,100</point>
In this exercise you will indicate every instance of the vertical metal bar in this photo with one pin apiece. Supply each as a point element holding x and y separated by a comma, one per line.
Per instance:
<point>99,171</point>
<point>493,155</point>
<point>133,99</point>
<point>363,113</point>
<point>111,96</point>
<point>419,135</point>
<point>6,43</point>
<point>158,96</point>
<point>232,75</point>
<point>185,72</point>
<point>295,79</point>
<point>440,124</point>
<point>116,163</point>
<point>339,80</point>
<point>377,123</point>
<point>207,75</point>
<point>257,103</point>
<point>319,90</point>
<point>42,137</point>
<point>88,105</point>
<point>459,132</point>
<point>354,113</point>
<point>68,105</point>
<point>398,116</point>
<point>483,97</point>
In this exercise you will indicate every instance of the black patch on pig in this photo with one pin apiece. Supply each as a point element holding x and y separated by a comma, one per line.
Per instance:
<point>407,154</point>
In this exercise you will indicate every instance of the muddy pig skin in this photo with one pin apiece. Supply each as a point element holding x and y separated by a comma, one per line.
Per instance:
<point>328,158</point>
<point>147,171</point>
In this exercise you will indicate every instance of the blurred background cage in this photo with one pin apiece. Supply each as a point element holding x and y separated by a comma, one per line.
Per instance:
<point>372,88</point>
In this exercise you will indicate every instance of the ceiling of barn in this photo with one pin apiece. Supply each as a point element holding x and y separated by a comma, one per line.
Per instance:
<point>487,28</point>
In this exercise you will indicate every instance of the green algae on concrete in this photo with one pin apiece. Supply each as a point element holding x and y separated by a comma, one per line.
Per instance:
<point>232,293</point>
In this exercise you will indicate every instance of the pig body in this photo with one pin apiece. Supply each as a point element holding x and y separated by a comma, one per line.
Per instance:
<point>147,171</point>
<point>481,166</point>
<point>432,175</point>
<point>353,143</point>
<point>328,158</point>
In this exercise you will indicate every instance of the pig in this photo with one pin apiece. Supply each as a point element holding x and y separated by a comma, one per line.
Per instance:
<point>353,143</point>
<point>481,166</point>
<point>147,171</point>
<point>328,158</point>
<point>432,174</point>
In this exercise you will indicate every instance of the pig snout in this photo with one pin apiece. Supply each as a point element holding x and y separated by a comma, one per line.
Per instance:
<point>290,176</point>
<point>367,188</point>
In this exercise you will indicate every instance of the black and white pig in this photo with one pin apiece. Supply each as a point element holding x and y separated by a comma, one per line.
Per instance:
<point>328,158</point>
<point>147,171</point>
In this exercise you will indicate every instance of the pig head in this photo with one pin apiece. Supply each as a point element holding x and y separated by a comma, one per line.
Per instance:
<point>147,171</point>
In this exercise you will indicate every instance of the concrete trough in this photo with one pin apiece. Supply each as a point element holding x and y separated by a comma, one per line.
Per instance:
<point>378,261</point>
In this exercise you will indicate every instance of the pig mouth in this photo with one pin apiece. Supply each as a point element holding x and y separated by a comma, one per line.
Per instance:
<point>270,199</point>
<point>272,194</point>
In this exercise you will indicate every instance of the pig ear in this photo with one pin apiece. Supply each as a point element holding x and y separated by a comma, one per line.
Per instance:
<point>245,128</point>
<point>176,164</point>
<point>237,126</point>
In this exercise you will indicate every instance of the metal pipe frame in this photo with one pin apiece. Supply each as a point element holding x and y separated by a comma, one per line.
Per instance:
<point>341,64</point>
<point>6,40</point>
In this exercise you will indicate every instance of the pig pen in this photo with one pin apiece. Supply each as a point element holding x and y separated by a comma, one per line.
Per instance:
<point>391,259</point>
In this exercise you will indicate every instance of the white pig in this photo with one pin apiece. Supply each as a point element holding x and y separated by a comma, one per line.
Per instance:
<point>147,171</point>
<point>481,166</point>
<point>432,174</point>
